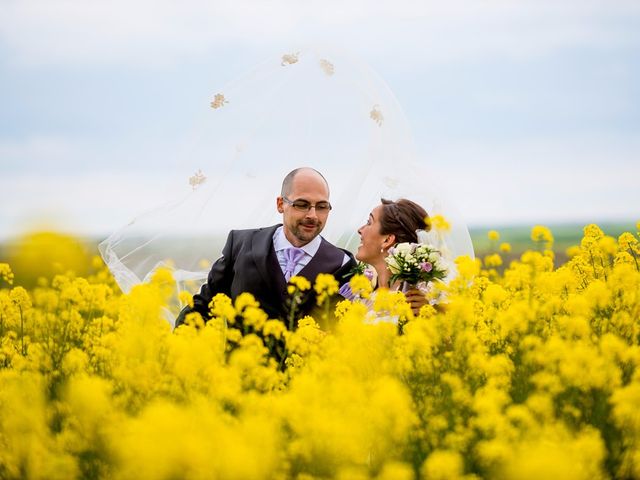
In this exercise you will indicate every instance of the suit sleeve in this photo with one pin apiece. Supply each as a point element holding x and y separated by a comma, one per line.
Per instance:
<point>218,281</point>
<point>343,274</point>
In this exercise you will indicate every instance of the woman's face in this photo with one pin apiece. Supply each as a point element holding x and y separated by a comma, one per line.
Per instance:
<point>371,240</point>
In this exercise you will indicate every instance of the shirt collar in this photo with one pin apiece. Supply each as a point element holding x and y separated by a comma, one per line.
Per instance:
<point>280,242</point>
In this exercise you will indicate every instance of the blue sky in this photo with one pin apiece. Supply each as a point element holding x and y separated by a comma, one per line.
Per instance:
<point>529,111</point>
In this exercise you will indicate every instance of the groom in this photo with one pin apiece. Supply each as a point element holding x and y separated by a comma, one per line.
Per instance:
<point>261,261</point>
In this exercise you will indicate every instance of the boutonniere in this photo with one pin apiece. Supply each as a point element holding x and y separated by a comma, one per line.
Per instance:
<point>365,270</point>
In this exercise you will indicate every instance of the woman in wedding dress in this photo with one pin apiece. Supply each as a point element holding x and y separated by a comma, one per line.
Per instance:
<point>388,224</point>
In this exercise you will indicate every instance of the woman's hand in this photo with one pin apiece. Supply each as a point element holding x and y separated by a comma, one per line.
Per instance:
<point>416,299</point>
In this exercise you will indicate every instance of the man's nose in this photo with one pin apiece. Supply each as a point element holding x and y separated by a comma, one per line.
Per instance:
<point>312,208</point>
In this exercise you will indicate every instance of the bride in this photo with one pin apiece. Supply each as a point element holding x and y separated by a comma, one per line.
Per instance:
<point>388,224</point>
<point>322,108</point>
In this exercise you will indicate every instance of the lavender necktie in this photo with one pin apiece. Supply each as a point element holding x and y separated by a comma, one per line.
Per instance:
<point>292,256</point>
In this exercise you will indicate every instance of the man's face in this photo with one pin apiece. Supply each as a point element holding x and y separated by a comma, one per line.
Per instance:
<point>300,227</point>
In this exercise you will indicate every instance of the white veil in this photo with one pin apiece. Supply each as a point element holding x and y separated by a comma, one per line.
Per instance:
<point>322,109</point>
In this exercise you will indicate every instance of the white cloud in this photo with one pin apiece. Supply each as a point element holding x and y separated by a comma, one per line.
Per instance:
<point>36,151</point>
<point>541,180</point>
<point>67,154</point>
<point>146,32</point>
<point>524,182</point>
<point>90,203</point>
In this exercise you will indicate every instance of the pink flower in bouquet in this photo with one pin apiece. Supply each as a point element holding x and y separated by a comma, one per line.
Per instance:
<point>426,266</point>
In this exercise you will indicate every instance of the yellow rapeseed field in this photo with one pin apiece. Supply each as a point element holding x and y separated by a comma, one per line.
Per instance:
<point>529,371</point>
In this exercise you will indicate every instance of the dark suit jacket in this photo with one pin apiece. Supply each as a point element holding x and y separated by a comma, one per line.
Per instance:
<point>249,264</point>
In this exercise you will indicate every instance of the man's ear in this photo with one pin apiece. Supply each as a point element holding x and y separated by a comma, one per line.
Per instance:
<point>280,205</point>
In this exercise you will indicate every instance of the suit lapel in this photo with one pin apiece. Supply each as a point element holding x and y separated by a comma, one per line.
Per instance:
<point>325,260</point>
<point>266,261</point>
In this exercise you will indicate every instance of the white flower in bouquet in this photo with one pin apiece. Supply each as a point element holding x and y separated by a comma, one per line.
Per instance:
<point>392,264</point>
<point>404,249</point>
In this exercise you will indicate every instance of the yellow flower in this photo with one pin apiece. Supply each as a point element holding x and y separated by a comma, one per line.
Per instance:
<point>342,307</point>
<point>307,321</point>
<point>234,335</point>
<point>221,307</point>
<point>495,294</point>
<point>493,260</point>
<point>32,256</point>
<point>186,298</point>
<point>608,245</point>
<point>254,317</point>
<point>542,234</point>
<point>275,328</point>
<point>325,282</point>
<point>360,286</point>
<point>245,300</point>
<point>573,251</point>
<point>74,361</point>
<point>626,241</point>
<point>392,304</point>
<point>467,267</point>
<point>440,223</point>
<point>625,402</point>
<point>598,294</point>
<point>593,231</point>
<point>505,247</point>
<point>5,273</point>
<point>20,298</point>
<point>493,235</point>
<point>195,319</point>
<point>490,382</point>
<point>162,276</point>
<point>623,257</point>
<point>298,283</point>
<point>326,286</point>
<point>396,471</point>
<point>443,465</point>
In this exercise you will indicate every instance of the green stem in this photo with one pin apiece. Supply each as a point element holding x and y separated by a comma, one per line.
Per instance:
<point>292,311</point>
<point>327,307</point>
<point>22,349</point>
<point>584,282</point>
<point>593,264</point>
<point>635,258</point>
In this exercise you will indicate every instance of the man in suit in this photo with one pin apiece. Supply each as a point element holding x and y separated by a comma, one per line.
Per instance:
<point>261,261</point>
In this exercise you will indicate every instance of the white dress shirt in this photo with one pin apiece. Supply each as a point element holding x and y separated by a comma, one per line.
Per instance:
<point>280,243</point>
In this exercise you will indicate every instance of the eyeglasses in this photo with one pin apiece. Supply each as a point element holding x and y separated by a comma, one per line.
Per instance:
<point>304,206</point>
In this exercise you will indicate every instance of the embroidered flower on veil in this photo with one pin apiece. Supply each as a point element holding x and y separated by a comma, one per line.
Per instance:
<point>218,101</point>
<point>197,179</point>
<point>376,115</point>
<point>289,59</point>
<point>327,67</point>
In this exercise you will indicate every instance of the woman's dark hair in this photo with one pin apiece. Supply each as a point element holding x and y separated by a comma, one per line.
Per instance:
<point>402,218</point>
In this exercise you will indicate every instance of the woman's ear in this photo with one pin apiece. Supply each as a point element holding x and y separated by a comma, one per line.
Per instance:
<point>390,241</point>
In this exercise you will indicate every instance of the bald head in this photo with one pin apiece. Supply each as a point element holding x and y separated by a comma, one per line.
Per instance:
<point>304,205</point>
<point>306,174</point>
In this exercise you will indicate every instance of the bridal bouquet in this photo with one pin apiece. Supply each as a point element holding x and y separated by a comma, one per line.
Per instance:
<point>415,263</point>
